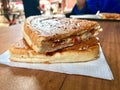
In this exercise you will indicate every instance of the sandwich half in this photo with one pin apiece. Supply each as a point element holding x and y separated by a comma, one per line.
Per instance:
<point>48,34</point>
<point>87,50</point>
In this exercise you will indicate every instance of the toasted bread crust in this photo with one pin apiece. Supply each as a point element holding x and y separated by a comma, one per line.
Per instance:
<point>37,34</point>
<point>57,28</point>
<point>21,52</point>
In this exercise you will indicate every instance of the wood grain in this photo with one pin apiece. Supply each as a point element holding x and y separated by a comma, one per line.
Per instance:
<point>12,78</point>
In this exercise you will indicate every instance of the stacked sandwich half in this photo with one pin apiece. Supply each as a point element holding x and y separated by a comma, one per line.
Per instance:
<point>56,40</point>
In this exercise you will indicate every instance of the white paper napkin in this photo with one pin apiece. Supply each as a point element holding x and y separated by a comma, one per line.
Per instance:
<point>97,68</point>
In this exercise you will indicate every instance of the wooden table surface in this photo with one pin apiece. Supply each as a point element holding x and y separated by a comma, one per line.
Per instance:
<point>12,78</point>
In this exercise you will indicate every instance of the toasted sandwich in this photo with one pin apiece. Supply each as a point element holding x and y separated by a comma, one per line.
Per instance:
<point>87,50</point>
<point>48,34</point>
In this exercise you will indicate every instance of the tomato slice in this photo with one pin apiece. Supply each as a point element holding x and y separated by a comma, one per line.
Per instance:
<point>75,40</point>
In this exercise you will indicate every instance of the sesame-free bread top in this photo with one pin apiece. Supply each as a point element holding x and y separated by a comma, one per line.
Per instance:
<point>47,27</point>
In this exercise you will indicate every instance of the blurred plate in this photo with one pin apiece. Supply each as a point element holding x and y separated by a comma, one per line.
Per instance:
<point>92,17</point>
<point>85,16</point>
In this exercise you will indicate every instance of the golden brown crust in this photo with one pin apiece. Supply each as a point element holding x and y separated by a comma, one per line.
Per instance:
<point>39,36</point>
<point>21,52</point>
<point>62,28</point>
<point>32,35</point>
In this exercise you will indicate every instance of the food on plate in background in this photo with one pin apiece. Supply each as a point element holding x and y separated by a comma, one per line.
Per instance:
<point>112,16</point>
